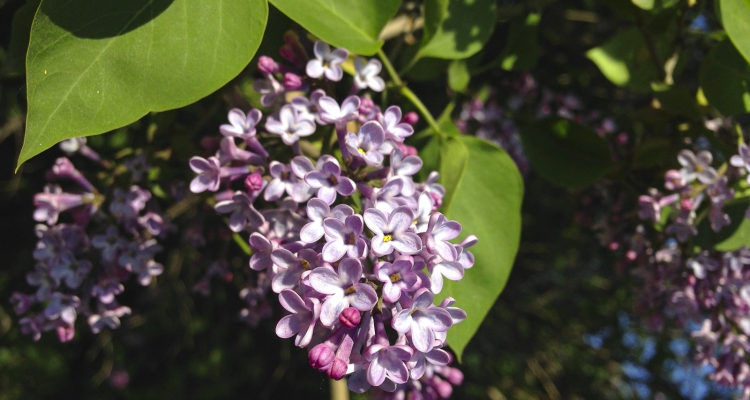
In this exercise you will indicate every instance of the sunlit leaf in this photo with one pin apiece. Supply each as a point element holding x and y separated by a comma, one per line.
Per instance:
<point>456,29</point>
<point>725,79</point>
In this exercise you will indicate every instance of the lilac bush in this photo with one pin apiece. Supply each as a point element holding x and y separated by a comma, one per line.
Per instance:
<point>352,246</point>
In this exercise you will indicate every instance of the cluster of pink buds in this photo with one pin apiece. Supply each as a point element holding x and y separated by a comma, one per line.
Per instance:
<point>84,253</point>
<point>350,243</point>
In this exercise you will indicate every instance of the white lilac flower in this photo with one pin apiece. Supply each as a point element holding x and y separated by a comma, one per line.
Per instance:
<point>422,319</point>
<point>343,238</point>
<point>424,211</point>
<point>328,181</point>
<point>291,125</point>
<point>742,160</point>
<point>343,288</point>
<point>317,211</point>
<point>243,212</point>
<point>305,314</point>
<point>108,318</point>
<point>269,88</point>
<point>697,166</point>
<point>392,231</point>
<point>241,125</point>
<point>441,268</point>
<point>405,167</point>
<point>326,62</point>
<point>366,75</point>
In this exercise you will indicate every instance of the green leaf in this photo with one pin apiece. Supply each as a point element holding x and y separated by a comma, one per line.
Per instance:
<point>454,157</point>
<point>731,237</point>
<point>735,16</point>
<point>94,66</point>
<point>725,79</point>
<point>522,50</point>
<point>644,4</point>
<point>456,29</point>
<point>353,24</point>
<point>626,61</point>
<point>458,75</point>
<point>15,64</point>
<point>487,202</point>
<point>565,152</point>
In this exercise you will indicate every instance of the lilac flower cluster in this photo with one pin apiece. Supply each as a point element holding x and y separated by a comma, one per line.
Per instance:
<point>84,254</point>
<point>352,246</point>
<point>703,286</point>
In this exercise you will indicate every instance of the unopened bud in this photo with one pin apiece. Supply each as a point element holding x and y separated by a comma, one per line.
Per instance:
<point>321,357</point>
<point>350,317</point>
<point>292,81</point>
<point>254,182</point>
<point>266,65</point>
<point>686,205</point>
<point>411,118</point>
<point>337,369</point>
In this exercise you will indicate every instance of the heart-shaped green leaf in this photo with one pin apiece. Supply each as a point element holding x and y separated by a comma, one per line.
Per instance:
<point>95,65</point>
<point>352,24</point>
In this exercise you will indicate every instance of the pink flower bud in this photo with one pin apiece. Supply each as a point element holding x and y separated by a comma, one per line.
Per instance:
<point>614,246</point>
<point>443,388</point>
<point>321,357</point>
<point>631,255</point>
<point>254,182</point>
<point>292,81</point>
<point>350,317</point>
<point>453,375</point>
<point>365,106</point>
<point>411,118</point>
<point>266,65</point>
<point>337,370</point>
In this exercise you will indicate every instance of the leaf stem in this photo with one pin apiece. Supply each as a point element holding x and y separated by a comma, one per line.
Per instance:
<point>389,67</point>
<point>421,107</point>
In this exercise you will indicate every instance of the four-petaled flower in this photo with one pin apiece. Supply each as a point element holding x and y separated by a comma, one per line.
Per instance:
<point>365,145</point>
<point>326,62</point>
<point>366,75</point>
<point>343,238</point>
<point>387,361</point>
<point>243,212</point>
<point>318,210</point>
<point>392,231</point>
<point>328,181</point>
<point>697,166</point>
<point>422,319</point>
<point>398,277</point>
<point>291,125</point>
<point>305,314</point>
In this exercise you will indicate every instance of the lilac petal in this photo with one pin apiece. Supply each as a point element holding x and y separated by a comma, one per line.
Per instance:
<point>446,250</point>
<point>392,116</point>
<point>311,232</point>
<point>364,298</point>
<point>288,326</point>
<point>350,271</point>
<point>329,106</point>
<point>285,279</point>
<point>346,186</point>
<point>402,321</point>
<point>358,382</point>
<point>373,158</point>
<point>334,228</point>
<point>331,309</point>
<point>436,319</point>
<point>359,250</point>
<point>260,243</point>
<point>274,190</point>
<point>401,219</point>
<point>321,49</point>
<point>398,372</point>
<point>376,83</point>
<point>338,56</point>
<point>284,258</point>
<point>686,158</point>
<point>317,209</point>
<point>438,357</point>
<point>199,164</point>
<point>372,135</point>
<point>341,211</point>
<point>314,68</point>
<point>236,117</point>
<point>333,251</point>
<point>380,247</point>
<point>334,72</point>
<point>422,299</point>
<point>447,231</point>
<point>301,165</point>
<point>237,221</point>
<point>292,302</point>
<point>354,222</point>
<point>317,179</point>
<point>422,338</point>
<point>350,105</point>
<point>325,280</point>
<point>376,221</point>
<point>260,261</point>
<point>375,374</point>
<point>407,243</point>
<point>391,292</point>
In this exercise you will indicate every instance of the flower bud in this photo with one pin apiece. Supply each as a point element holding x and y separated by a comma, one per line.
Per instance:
<point>321,357</point>
<point>673,180</point>
<point>407,150</point>
<point>411,118</point>
<point>686,205</point>
<point>254,182</point>
<point>453,375</point>
<point>266,65</point>
<point>349,317</point>
<point>292,81</point>
<point>337,369</point>
<point>443,388</point>
<point>631,255</point>
<point>365,106</point>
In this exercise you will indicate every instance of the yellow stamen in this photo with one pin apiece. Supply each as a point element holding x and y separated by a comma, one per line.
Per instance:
<point>305,264</point>
<point>350,290</point>
<point>395,277</point>
<point>361,151</point>
<point>387,238</point>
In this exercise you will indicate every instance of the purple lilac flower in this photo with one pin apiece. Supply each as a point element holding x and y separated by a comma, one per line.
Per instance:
<point>317,211</point>
<point>285,181</point>
<point>108,318</point>
<point>290,268</point>
<point>439,231</point>
<point>50,204</point>
<point>422,320</point>
<point>649,208</point>
<point>269,88</point>
<point>291,125</point>
<point>243,212</point>
<point>326,62</point>
<point>343,238</point>
<point>391,231</point>
<point>366,75</point>
<point>332,113</point>
<point>328,181</point>
<point>393,127</point>
<point>398,277</point>
<point>305,314</point>
<point>262,249</point>
<point>387,362</point>
<point>405,167</point>
<point>697,166</point>
<point>366,143</point>
<point>742,160</point>
<point>344,289</point>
